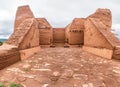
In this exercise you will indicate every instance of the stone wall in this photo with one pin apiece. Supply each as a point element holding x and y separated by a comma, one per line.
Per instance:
<point>103,52</point>
<point>116,53</point>
<point>76,37</point>
<point>26,35</point>
<point>67,35</point>
<point>93,37</point>
<point>45,31</point>
<point>31,39</point>
<point>23,12</point>
<point>100,40</point>
<point>93,33</point>
<point>104,15</point>
<point>58,35</point>
<point>78,24</point>
<point>8,55</point>
<point>75,32</point>
<point>45,36</point>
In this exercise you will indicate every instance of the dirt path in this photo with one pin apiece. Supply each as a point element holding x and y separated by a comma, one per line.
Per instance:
<point>63,67</point>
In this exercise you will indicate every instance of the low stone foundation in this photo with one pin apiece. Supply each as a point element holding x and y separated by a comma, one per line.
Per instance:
<point>11,54</point>
<point>28,52</point>
<point>103,52</point>
<point>8,55</point>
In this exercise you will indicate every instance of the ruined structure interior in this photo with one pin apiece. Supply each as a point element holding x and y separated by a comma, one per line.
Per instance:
<point>91,34</point>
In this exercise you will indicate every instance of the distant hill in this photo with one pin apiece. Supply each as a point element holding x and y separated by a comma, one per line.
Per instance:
<point>3,40</point>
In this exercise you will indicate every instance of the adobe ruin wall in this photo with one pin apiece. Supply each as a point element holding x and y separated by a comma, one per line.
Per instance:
<point>92,33</point>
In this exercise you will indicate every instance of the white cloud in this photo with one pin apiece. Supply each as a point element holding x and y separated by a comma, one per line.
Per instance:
<point>116,29</point>
<point>4,36</point>
<point>4,15</point>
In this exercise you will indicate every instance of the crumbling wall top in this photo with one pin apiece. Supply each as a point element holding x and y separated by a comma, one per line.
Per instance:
<point>43,23</point>
<point>23,12</point>
<point>77,24</point>
<point>104,15</point>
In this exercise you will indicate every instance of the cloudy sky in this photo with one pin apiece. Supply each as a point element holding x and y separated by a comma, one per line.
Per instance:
<point>58,12</point>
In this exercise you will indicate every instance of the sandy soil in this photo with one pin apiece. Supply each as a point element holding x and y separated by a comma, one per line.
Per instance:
<point>63,67</point>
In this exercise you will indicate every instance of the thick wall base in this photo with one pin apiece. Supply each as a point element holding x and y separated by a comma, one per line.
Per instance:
<point>28,52</point>
<point>8,55</point>
<point>9,59</point>
<point>103,52</point>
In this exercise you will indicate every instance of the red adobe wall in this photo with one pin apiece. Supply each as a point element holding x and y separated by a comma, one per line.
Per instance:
<point>99,40</point>
<point>75,32</point>
<point>23,12</point>
<point>30,33</point>
<point>76,37</point>
<point>93,37</point>
<point>59,35</point>
<point>8,55</point>
<point>45,31</point>
<point>26,35</point>
<point>104,15</point>
<point>45,36</point>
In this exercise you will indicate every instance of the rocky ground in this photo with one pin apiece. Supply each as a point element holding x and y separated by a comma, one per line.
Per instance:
<point>63,67</point>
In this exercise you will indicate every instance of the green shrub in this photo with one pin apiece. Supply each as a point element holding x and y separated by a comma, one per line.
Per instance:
<point>1,43</point>
<point>2,85</point>
<point>15,85</point>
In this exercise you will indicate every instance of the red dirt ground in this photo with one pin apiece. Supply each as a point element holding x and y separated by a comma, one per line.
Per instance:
<point>63,67</point>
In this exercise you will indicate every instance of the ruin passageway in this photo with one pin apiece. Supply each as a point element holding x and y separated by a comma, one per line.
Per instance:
<point>63,67</point>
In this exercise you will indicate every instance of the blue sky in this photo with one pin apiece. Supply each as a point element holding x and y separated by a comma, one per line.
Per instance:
<point>58,12</point>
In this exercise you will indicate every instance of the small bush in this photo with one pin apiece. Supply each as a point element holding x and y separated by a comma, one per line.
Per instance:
<point>1,43</point>
<point>2,85</point>
<point>15,85</point>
